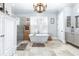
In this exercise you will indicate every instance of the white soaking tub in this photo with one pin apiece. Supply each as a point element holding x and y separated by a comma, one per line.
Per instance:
<point>38,38</point>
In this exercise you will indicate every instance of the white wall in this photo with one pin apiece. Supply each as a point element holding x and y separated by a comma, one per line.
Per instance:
<point>61,27</point>
<point>8,8</point>
<point>52,28</point>
<point>76,9</point>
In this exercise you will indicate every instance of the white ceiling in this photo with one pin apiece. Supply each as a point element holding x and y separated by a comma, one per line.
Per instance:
<point>27,8</point>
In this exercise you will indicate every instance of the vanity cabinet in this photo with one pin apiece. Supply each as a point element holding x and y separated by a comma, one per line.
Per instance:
<point>76,40</point>
<point>69,37</point>
<point>8,33</point>
<point>72,38</point>
<point>72,32</point>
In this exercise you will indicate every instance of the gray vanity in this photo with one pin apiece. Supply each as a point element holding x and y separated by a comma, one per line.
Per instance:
<point>72,31</point>
<point>72,37</point>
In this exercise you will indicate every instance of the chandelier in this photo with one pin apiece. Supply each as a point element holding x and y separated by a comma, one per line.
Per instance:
<point>39,7</point>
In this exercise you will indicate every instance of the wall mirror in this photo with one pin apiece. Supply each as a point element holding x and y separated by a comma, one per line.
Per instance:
<point>52,20</point>
<point>68,21</point>
<point>77,21</point>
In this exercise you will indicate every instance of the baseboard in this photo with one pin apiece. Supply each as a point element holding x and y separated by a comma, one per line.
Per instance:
<point>73,44</point>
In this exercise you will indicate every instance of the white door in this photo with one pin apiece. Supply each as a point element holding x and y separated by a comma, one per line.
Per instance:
<point>9,36</point>
<point>1,34</point>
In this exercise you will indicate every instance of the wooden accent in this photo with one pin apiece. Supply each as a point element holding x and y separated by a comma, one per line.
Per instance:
<point>26,27</point>
<point>49,38</point>
<point>26,31</point>
<point>26,35</point>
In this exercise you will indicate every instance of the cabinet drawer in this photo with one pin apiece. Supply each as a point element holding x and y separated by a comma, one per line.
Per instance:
<point>76,40</point>
<point>70,37</point>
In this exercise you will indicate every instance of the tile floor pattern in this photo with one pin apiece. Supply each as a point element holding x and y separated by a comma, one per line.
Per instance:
<point>53,48</point>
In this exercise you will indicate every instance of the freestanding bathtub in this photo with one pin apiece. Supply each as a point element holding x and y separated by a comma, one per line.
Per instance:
<point>38,38</point>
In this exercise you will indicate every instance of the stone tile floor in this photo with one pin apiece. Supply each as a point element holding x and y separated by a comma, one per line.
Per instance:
<point>53,48</point>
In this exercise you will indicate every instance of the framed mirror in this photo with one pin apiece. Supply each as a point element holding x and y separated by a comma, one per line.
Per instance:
<point>68,21</point>
<point>77,21</point>
<point>52,20</point>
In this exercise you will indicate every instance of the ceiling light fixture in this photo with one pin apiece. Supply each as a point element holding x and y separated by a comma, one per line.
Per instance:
<point>39,7</point>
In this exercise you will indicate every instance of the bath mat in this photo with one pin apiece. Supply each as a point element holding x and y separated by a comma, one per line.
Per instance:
<point>22,46</point>
<point>38,45</point>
